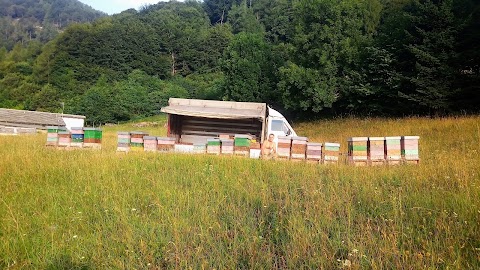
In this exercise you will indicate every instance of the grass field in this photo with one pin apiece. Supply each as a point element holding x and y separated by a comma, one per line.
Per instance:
<point>104,210</point>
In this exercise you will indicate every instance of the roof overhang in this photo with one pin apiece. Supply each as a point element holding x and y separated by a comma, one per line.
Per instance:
<point>216,109</point>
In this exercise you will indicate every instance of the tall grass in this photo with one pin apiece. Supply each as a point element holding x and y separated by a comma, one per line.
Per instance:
<point>89,209</point>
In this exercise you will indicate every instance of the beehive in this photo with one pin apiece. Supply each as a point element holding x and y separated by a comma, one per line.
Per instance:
<point>242,145</point>
<point>331,153</point>
<point>213,146</point>
<point>136,140</point>
<point>255,153</point>
<point>64,138</point>
<point>199,148</point>
<point>284,147</point>
<point>92,138</point>
<point>184,148</point>
<point>52,136</point>
<point>410,152</point>
<point>393,150</point>
<point>358,151</point>
<point>123,141</point>
<point>149,143</point>
<point>77,137</point>
<point>226,146</point>
<point>314,152</point>
<point>299,147</point>
<point>166,144</point>
<point>376,151</point>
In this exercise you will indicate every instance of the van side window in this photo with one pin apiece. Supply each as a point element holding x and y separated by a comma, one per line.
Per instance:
<point>277,125</point>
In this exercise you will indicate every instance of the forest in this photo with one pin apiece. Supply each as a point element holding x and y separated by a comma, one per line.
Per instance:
<point>307,58</point>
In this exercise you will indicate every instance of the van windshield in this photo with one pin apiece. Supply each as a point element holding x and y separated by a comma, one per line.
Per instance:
<point>277,125</point>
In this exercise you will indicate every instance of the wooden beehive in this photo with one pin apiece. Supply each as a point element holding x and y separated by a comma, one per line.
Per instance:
<point>92,138</point>
<point>149,143</point>
<point>165,144</point>
<point>314,152</point>
<point>64,139</point>
<point>227,146</point>
<point>242,144</point>
<point>331,153</point>
<point>299,148</point>
<point>376,151</point>
<point>284,147</point>
<point>52,136</point>
<point>77,138</point>
<point>213,146</point>
<point>358,151</point>
<point>410,153</point>
<point>393,150</point>
<point>136,140</point>
<point>199,148</point>
<point>123,141</point>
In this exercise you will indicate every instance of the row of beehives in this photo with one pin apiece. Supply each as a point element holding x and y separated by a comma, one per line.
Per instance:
<point>78,137</point>
<point>16,130</point>
<point>141,141</point>
<point>383,150</point>
<point>296,148</point>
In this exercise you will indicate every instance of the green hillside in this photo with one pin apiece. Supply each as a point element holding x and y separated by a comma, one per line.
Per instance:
<point>22,21</point>
<point>308,59</point>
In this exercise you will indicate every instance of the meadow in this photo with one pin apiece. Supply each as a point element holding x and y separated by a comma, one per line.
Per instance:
<point>88,209</point>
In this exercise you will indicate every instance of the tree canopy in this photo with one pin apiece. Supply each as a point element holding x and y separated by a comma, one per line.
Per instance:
<point>310,58</point>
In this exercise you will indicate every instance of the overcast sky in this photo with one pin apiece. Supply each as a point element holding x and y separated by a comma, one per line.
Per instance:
<point>117,6</point>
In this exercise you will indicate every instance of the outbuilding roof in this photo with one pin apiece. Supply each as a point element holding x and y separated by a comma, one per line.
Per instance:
<point>10,117</point>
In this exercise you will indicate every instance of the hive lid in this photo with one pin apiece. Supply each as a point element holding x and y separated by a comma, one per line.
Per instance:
<point>242,136</point>
<point>376,138</point>
<point>123,133</point>
<point>149,137</point>
<point>299,139</point>
<point>357,139</point>
<point>411,137</point>
<point>393,138</point>
<point>332,144</point>
<point>138,132</point>
<point>166,138</point>
<point>314,144</point>
<point>77,128</point>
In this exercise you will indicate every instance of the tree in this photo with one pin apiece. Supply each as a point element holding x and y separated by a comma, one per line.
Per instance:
<point>433,50</point>
<point>242,19</point>
<point>247,67</point>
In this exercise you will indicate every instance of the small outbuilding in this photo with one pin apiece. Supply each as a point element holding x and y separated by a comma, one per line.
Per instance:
<point>19,119</point>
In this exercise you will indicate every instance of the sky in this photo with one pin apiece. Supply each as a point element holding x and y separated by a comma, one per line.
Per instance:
<point>116,6</point>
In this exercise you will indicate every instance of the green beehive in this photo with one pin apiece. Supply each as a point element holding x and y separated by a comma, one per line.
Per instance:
<point>89,133</point>
<point>242,140</point>
<point>214,142</point>
<point>52,129</point>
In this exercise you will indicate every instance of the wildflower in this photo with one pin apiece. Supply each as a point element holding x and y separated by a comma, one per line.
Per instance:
<point>355,251</point>
<point>75,236</point>
<point>347,263</point>
<point>134,209</point>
